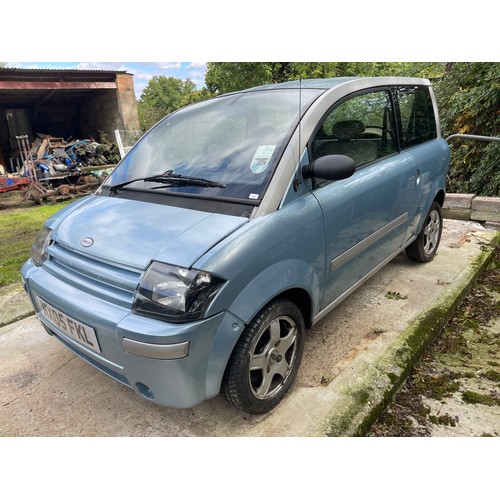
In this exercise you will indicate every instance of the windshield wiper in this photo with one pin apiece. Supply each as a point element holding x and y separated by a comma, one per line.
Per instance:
<point>170,179</point>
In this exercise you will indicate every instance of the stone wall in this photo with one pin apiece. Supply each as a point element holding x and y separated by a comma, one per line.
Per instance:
<point>483,209</point>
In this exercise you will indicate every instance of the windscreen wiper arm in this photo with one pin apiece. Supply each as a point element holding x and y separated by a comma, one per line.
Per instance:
<point>171,180</point>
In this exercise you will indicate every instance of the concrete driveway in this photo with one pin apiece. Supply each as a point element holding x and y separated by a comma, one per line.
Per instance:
<point>350,359</point>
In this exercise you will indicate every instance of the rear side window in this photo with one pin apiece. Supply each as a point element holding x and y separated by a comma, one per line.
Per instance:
<point>418,123</point>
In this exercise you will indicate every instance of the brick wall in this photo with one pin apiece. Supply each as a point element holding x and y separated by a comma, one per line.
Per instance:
<point>108,110</point>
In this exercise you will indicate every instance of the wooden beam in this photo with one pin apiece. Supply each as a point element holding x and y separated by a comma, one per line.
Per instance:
<point>33,85</point>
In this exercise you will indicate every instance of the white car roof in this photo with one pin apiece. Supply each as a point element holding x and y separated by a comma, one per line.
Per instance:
<point>329,83</point>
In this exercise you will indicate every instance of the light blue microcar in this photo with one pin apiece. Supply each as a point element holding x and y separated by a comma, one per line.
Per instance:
<point>233,226</point>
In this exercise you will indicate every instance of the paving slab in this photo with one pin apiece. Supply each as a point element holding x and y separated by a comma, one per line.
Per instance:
<point>354,360</point>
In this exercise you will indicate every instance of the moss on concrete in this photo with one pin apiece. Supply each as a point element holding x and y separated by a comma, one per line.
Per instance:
<point>472,397</point>
<point>364,400</point>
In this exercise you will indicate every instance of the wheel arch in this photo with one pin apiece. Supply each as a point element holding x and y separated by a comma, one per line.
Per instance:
<point>302,300</point>
<point>439,198</point>
<point>426,205</point>
<point>293,279</point>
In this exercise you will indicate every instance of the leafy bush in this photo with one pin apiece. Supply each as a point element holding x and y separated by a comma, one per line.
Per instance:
<point>469,101</point>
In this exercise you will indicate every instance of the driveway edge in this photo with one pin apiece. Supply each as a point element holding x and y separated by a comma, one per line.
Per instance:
<point>15,304</point>
<point>368,388</point>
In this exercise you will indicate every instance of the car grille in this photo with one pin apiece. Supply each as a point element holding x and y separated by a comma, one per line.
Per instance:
<point>99,278</point>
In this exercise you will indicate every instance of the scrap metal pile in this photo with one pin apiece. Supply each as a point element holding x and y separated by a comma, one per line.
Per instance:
<point>52,156</point>
<point>56,167</point>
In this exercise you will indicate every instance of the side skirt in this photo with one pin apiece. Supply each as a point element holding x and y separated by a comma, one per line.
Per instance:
<point>356,285</point>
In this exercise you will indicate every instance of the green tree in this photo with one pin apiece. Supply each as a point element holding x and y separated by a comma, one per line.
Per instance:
<point>224,77</point>
<point>469,101</point>
<point>339,69</point>
<point>162,96</point>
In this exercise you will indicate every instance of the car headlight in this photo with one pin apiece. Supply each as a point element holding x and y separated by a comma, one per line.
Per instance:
<point>174,293</point>
<point>39,247</point>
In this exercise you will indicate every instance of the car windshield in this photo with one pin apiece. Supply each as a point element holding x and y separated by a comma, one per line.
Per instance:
<point>234,142</point>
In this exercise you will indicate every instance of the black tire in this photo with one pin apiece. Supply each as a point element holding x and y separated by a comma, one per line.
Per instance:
<point>266,358</point>
<point>424,248</point>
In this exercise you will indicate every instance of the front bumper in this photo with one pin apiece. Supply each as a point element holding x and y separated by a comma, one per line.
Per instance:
<point>174,365</point>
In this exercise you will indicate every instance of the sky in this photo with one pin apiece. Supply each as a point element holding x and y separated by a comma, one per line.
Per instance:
<point>142,71</point>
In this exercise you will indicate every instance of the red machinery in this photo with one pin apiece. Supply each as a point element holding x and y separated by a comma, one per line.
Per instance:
<point>13,183</point>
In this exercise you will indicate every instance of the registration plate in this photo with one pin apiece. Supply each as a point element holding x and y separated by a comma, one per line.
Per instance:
<point>83,334</point>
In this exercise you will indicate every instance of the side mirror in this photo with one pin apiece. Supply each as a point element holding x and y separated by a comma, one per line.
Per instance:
<point>330,168</point>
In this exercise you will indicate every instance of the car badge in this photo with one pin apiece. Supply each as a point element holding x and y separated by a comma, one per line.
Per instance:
<point>86,242</point>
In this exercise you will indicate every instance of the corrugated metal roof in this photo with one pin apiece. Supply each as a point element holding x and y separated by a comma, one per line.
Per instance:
<point>61,70</point>
<point>70,74</point>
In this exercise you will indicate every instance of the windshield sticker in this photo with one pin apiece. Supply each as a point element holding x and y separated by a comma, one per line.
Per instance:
<point>260,160</point>
<point>254,196</point>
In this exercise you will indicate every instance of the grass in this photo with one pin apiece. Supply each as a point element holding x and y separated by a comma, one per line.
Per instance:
<point>18,229</point>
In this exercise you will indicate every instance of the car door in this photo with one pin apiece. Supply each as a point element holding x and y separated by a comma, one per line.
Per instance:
<point>365,222</point>
<point>420,153</point>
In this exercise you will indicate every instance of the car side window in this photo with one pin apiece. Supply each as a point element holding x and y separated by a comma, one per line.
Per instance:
<point>361,127</point>
<point>418,123</point>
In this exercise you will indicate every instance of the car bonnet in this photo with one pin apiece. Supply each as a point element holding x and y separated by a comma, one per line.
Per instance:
<point>133,233</point>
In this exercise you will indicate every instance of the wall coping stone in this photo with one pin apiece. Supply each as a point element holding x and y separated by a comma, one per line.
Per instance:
<point>471,207</point>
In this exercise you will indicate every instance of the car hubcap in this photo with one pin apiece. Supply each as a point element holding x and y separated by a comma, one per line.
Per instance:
<point>431,233</point>
<point>273,357</point>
